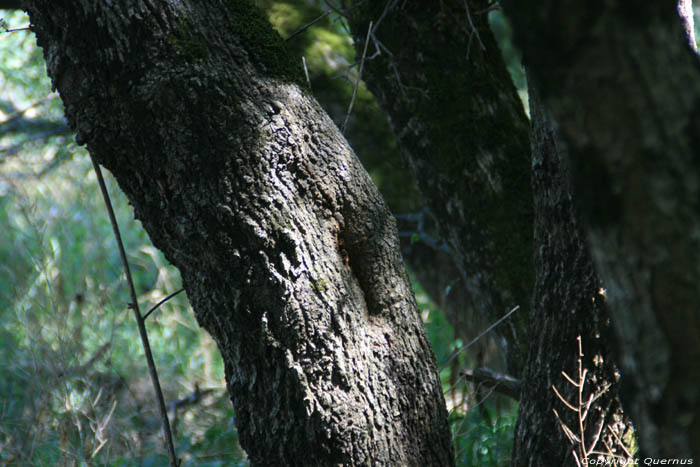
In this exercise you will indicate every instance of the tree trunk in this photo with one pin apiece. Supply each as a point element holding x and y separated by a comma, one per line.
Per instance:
<point>440,77</point>
<point>568,305</point>
<point>624,88</point>
<point>287,252</point>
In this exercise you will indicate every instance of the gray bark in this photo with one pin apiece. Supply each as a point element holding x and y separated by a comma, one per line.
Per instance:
<point>624,88</point>
<point>287,252</point>
<point>441,79</point>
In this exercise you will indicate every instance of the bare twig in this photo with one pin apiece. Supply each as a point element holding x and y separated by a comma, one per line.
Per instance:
<point>134,305</point>
<point>27,28</point>
<point>492,7</point>
<point>619,442</point>
<point>564,401</point>
<point>502,384</point>
<point>193,398</point>
<point>157,305</point>
<point>583,409</point>
<point>357,82</point>
<point>307,26</point>
<point>15,115</point>
<point>482,334</point>
<point>474,31</point>
<point>306,72</point>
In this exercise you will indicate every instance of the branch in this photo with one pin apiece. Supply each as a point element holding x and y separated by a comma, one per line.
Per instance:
<point>307,26</point>
<point>357,82</point>
<point>191,399</point>
<point>503,384</point>
<point>483,333</point>
<point>19,113</point>
<point>174,462</point>
<point>157,305</point>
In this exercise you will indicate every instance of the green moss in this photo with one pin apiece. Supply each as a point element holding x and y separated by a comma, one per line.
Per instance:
<point>329,52</point>
<point>188,41</point>
<point>319,285</point>
<point>506,216</point>
<point>328,43</point>
<point>286,18</point>
<point>263,43</point>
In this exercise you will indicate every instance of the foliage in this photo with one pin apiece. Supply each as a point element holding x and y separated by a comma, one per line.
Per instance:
<point>73,381</point>
<point>482,425</point>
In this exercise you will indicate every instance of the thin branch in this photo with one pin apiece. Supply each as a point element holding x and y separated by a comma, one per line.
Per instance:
<point>389,5</point>
<point>596,438</point>
<point>155,307</point>
<point>357,83</point>
<point>493,7</point>
<point>584,408</point>
<point>134,305</point>
<point>502,384</point>
<point>474,31</point>
<point>619,442</point>
<point>567,431</point>
<point>581,383</point>
<point>482,334</point>
<point>568,378</point>
<point>307,26</point>
<point>563,401</point>
<point>306,72</point>
<point>15,115</point>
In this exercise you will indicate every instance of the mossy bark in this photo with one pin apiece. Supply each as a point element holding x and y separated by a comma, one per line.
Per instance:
<point>289,256</point>
<point>624,88</point>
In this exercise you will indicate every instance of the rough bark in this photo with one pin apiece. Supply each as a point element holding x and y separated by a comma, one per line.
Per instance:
<point>624,88</point>
<point>287,252</point>
<point>568,304</point>
<point>440,77</point>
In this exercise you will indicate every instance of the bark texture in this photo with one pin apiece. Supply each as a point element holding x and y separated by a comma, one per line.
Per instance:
<point>568,304</point>
<point>454,73</point>
<point>624,88</point>
<point>287,252</point>
<point>440,78</point>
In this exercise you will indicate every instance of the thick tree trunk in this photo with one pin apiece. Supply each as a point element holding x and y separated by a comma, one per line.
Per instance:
<point>288,254</point>
<point>568,305</point>
<point>440,77</point>
<point>624,88</point>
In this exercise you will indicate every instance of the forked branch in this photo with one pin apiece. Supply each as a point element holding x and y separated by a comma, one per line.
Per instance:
<point>140,320</point>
